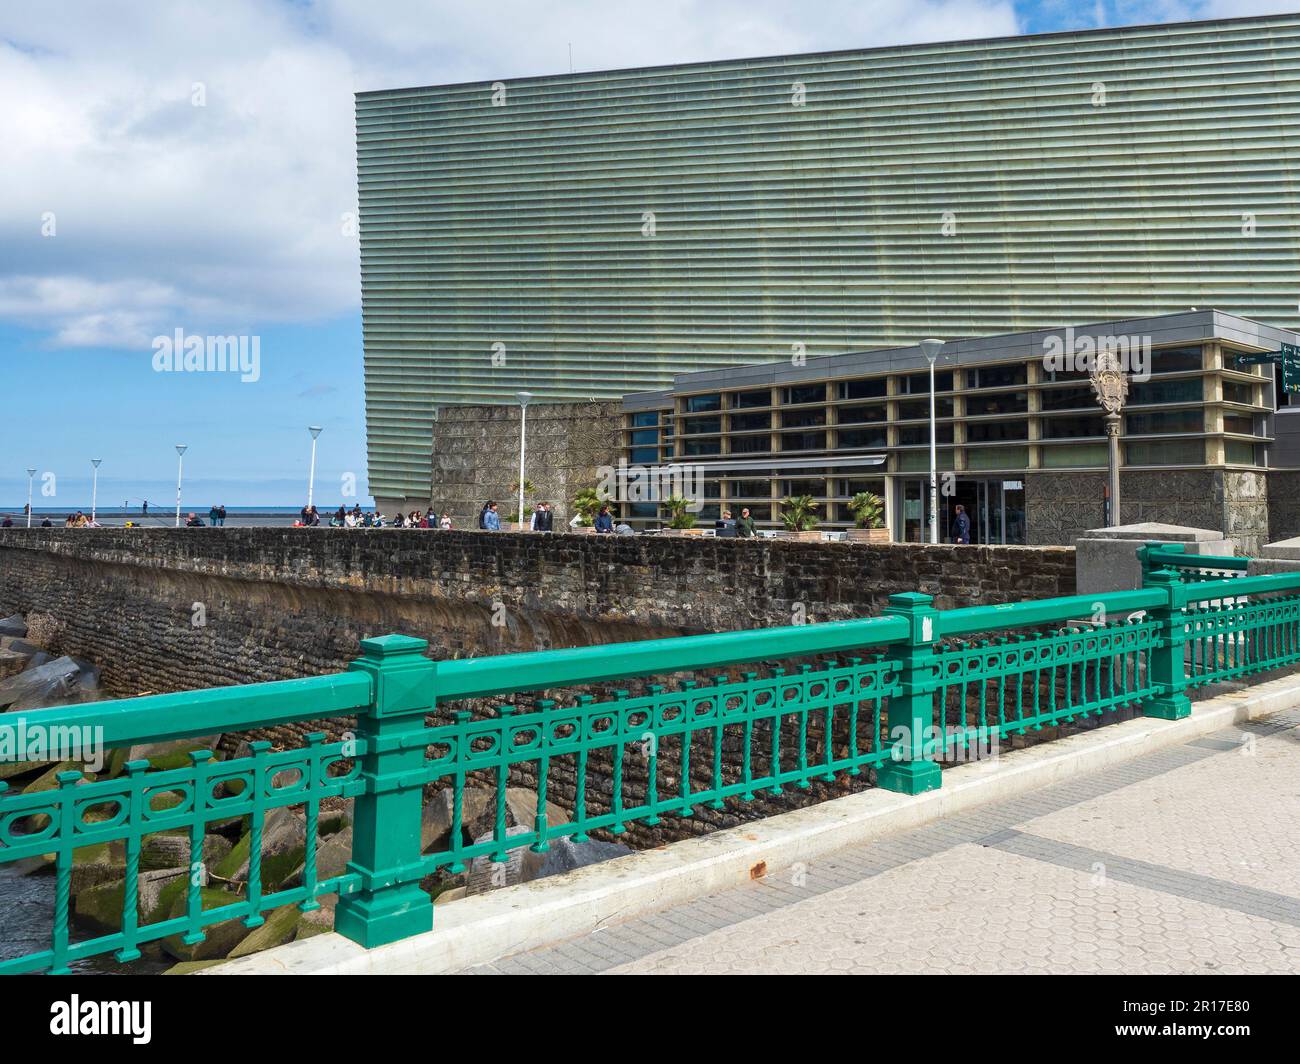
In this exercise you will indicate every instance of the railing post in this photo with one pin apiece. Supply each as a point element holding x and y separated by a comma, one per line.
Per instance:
<point>386,822</point>
<point>1166,662</point>
<point>1149,562</point>
<point>910,772</point>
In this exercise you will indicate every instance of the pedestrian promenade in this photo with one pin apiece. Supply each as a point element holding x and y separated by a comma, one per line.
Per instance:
<point>1186,860</point>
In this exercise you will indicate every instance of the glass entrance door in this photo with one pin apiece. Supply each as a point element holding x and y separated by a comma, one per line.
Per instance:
<point>996,509</point>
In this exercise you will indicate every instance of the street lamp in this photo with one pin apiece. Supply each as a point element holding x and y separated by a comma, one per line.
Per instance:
<point>94,488</point>
<point>931,349</point>
<point>31,474</point>
<point>1110,386</point>
<point>523,398</point>
<point>315,431</point>
<point>181,448</point>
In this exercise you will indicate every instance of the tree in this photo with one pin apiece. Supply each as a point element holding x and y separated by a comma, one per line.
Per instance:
<point>678,514</point>
<point>799,514</point>
<point>868,510</point>
<point>587,504</point>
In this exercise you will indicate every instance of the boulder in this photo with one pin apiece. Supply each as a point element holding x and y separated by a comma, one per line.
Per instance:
<point>190,967</point>
<point>565,855</point>
<point>171,753</point>
<point>332,857</point>
<point>284,835</point>
<point>219,939</point>
<point>99,908</point>
<point>520,866</point>
<point>171,849</point>
<point>479,814</point>
<point>12,663</point>
<point>13,626</point>
<point>63,681</point>
<point>314,922</point>
<point>280,927</point>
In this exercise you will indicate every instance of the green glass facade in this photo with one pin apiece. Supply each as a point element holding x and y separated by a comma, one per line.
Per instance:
<point>591,235</point>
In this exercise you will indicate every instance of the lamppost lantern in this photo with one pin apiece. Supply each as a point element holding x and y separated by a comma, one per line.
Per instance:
<point>1110,386</point>
<point>930,349</point>
<point>523,398</point>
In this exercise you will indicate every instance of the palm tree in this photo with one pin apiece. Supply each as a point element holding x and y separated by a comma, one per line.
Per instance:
<point>587,503</point>
<point>868,510</point>
<point>678,514</point>
<point>799,514</point>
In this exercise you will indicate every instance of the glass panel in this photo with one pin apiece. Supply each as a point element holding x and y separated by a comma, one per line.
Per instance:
<point>750,489</point>
<point>1077,455</point>
<point>755,398</point>
<point>805,393</point>
<point>644,436</point>
<point>750,444</point>
<point>1243,423</point>
<point>1175,360</point>
<point>996,431</point>
<point>1161,421</point>
<point>697,403</point>
<point>875,437</point>
<point>916,435</point>
<point>801,419</point>
<point>1233,392</point>
<point>815,488</point>
<point>916,409</point>
<point>997,457</point>
<point>908,461</point>
<point>1004,403</point>
<point>1066,399</point>
<point>750,422</point>
<point>698,425</point>
<point>804,441</point>
<point>644,456</point>
<point>919,383</point>
<point>694,448</point>
<point>864,389</point>
<point>1069,427</point>
<point>996,376</point>
<point>646,417</point>
<point>852,486</point>
<point>1165,452</point>
<point>1238,452</point>
<point>1189,390</point>
<point>850,414</point>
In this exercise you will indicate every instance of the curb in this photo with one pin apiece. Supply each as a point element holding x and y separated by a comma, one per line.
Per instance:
<point>486,927</point>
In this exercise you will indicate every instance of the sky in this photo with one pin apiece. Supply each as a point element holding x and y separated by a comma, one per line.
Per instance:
<point>172,165</point>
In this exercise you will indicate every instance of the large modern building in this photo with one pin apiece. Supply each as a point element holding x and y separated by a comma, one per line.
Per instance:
<point>593,234</point>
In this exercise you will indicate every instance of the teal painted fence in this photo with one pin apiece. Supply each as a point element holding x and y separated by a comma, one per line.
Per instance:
<point>897,694</point>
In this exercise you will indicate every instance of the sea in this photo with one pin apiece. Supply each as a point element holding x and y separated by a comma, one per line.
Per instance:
<point>162,517</point>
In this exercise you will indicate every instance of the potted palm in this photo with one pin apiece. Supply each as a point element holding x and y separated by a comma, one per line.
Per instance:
<point>587,504</point>
<point>868,512</point>
<point>680,519</point>
<point>799,515</point>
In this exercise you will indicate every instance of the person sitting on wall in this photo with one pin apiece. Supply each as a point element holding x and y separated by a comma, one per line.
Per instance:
<point>194,522</point>
<point>604,520</point>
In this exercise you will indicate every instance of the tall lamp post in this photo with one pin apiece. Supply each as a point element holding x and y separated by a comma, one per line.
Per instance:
<point>523,398</point>
<point>1110,385</point>
<point>181,448</point>
<point>931,349</point>
<point>31,475</point>
<point>94,488</point>
<point>315,431</point>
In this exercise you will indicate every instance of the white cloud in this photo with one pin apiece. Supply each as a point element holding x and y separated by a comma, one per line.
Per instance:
<point>216,217</point>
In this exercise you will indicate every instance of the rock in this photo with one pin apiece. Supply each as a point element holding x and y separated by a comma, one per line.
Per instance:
<point>59,682</point>
<point>159,888</point>
<point>219,939</point>
<point>280,927</point>
<point>479,814</point>
<point>332,857</point>
<point>13,626</point>
<point>99,908</point>
<point>190,967</point>
<point>450,894</point>
<point>10,769</point>
<point>12,663</point>
<point>565,855</point>
<point>171,849</point>
<point>284,836</point>
<point>94,865</point>
<point>172,753</point>
<point>313,923</point>
<point>520,866</point>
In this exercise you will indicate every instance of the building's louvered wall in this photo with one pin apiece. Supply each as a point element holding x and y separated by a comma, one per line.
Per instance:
<point>822,224</point>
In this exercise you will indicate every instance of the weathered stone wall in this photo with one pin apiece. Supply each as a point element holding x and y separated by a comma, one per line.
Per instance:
<point>174,609</point>
<point>476,455</point>
<point>1283,504</point>
<point>1061,505</point>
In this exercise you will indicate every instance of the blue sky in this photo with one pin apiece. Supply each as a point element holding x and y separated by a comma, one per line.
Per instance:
<point>187,165</point>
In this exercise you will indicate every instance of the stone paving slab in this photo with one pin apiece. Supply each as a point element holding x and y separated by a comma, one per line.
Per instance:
<point>1030,884</point>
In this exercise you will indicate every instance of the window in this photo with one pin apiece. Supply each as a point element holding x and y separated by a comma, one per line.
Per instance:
<point>698,403</point>
<point>915,461</point>
<point>755,398</point>
<point>815,488</point>
<point>855,486</point>
<point>750,444</point>
<point>1067,399</point>
<point>1175,359</point>
<point>997,376</point>
<point>644,455</point>
<point>915,435</point>
<point>803,419</point>
<point>856,414</point>
<point>695,448</point>
<point>919,383</point>
<point>868,389</point>
<point>996,431</point>
<point>1145,393</point>
<point>1239,452</point>
<point>645,436</point>
<point>918,409</point>
<point>997,457</point>
<point>1238,393</point>
<point>750,489</point>
<point>700,425</point>
<point>751,422</point>
<point>805,393</point>
<point>1004,403</point>
<point>873,437</point>
<point>1075,456</point>
<point>804,441</point>
<point>1164,421</point>
<point>1056,428</point>
<point>1240,423</point>
<point>1165,452</point>
<point>645,417</point>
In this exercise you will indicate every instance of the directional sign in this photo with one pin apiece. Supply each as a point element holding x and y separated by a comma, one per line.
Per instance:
<point>1287,356</point>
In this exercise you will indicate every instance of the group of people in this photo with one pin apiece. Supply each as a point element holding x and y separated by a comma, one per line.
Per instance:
<point>309,517</point>
<point>217,515</point>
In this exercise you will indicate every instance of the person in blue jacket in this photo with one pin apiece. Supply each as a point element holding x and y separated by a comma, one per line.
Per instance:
<point>604,520</point>
<point>491,519</point>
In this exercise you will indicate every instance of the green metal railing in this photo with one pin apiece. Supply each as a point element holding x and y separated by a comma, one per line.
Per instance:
<point>1190,567</point>
<point>759,712</point>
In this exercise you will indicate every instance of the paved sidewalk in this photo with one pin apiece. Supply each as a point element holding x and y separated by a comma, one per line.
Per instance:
<point>1182,861</point>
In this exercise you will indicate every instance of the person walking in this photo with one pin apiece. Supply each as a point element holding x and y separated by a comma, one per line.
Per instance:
<point>543,519</point>
<point>491,519</point>
<point>961,525</point>
<point>745,527</point>
<point>214,516</point>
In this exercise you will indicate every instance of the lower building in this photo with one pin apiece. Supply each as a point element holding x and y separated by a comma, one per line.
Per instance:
<point>1020,437</point>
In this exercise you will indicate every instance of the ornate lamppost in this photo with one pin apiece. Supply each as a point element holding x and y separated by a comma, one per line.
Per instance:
<point>1110,385</point>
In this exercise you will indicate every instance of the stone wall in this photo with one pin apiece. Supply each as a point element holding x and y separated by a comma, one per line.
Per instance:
<point>476,456</point>
<point>175,609</point>
<point>1283,504</point>
<point>1061,505</point>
